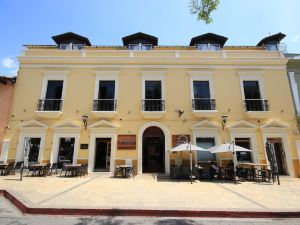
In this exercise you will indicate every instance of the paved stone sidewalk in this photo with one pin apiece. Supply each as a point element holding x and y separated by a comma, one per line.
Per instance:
<point>10,215</point>
<point>146,192</point>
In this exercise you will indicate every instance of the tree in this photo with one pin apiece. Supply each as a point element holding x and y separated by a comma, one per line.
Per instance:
<point>204,8</point>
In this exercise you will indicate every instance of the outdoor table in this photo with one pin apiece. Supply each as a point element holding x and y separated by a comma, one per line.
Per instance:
<point>73,168</point>
<point>37,167</point>
<point>125,169</point>
<point>3,166</point>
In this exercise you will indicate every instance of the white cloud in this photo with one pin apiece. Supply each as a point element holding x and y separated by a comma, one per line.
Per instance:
<point>296,38</point>
<point>8,63</point>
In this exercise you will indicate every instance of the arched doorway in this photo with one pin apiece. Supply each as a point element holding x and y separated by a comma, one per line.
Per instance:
<point>153,150</point>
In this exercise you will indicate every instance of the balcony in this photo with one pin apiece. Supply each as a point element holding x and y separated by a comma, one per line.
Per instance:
<point>49,108</point>
<point>104,108</point>
<point>153,108</point>
<point>257,108</point>
<point>204,107</point>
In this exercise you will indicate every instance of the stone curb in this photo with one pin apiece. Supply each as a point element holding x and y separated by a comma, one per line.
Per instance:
<point>144,212</point>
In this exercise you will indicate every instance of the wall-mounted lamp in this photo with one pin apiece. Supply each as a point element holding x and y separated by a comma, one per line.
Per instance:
<point>179,112</point>
<point>224,120</point>
<point>84,118</point>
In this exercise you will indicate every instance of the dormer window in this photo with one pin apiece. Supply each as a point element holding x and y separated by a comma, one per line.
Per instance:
<point>71,46</point>
<point>139,47</point>
<point>208,47</point>
<point>272,47</point>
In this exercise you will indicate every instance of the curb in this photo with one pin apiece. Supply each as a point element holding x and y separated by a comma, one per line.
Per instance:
<point>144,212</point>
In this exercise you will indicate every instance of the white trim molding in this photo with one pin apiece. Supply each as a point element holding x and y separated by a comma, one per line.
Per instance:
<point>252,76</point>
<point>140,145</point>
<point>37,133</point>
<point>58,134</point>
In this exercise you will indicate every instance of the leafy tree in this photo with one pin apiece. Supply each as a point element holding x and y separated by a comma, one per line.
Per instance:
<point>204,8</point>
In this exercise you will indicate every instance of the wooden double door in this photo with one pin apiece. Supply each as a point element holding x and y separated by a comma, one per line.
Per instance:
<point>153,150</point>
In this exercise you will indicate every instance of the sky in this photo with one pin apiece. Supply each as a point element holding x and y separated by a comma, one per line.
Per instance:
<point>105,22</point>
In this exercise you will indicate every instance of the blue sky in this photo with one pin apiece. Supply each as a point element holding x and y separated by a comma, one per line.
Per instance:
<point>244,22</point>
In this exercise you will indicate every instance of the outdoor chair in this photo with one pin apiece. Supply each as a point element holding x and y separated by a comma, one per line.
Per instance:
<point>118,171</point>
<point>54,166</point>
<point>63,169</point>
<point>47,169</point>
<point>185,172</point>
<point>80,171</point>
<point>131,172</point>
<point>9,169</point>
<point>32,170</point>
<point>86,168</point>
<point>16,167</point>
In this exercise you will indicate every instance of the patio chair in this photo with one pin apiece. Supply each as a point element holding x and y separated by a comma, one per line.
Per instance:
<point>47,169</point>
<point>54,166</point>
<point>117,171</point>
<point>131,172</point>
<point>9,169</point>
<point>63,169</point>
<point>32,170</point>
<point>80,171</point>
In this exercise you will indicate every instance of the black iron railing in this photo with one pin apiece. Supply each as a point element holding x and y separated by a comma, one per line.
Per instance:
<point>204,104</point>
<point>49,105</point>
<point>105,105</point>
<point>256,105</point>
<point>153,105</point>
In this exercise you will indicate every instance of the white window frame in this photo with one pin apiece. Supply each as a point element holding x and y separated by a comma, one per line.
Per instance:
<point>209,49</point>
<point>252,76</point>
<point>70,47</point>
<point>202,76</point>
<point>55,75</point>
<point>140,45</point>
<point>153,76</point>
<point>104,76</point>
<point>37,133</point>
<point>56,141</point>
<point>237,133</point>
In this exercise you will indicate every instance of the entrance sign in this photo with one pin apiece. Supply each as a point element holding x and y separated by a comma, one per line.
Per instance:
<point>126,142</point>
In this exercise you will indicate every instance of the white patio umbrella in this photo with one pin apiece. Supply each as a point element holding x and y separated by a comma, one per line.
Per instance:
<point>229,147</point>
<point>188,147</point>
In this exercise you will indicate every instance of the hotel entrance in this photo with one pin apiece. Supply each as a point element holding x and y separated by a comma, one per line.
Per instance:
<point>102,155</point>
<point>153,150</point>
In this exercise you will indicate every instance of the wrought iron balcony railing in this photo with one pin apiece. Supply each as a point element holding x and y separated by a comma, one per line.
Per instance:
<point>153,105</point>
<point>204,104</point>
<point>49,105</point>
<point>256,105</point>
<point>105,105</point>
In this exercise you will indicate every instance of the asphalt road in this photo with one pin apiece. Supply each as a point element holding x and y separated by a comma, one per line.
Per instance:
<point>9,215</point>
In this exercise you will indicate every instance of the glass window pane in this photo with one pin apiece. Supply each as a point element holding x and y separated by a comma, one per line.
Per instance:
<point>134,47</point>
<point>215,47</point>
<point>34,149</point>
<point>106,89</point>
<point>251,90</point>
<point>54,89</point>
<point>77,46</point>
<point>205,143</point>
<point>65,46</point>
<point>146,47</point>
<point>66,149</point>
<point>272,47</point>
<point>203,47</point>
<point>201,89</point>
<point>245,143</point>
<point>153,89</point>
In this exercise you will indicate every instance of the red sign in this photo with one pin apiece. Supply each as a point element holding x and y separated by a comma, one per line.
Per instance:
<point>126,142</point>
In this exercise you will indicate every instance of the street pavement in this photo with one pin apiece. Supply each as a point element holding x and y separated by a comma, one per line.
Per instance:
<point>9,215</point>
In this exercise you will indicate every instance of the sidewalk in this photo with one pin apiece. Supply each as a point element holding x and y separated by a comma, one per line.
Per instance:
<point>146,192</point>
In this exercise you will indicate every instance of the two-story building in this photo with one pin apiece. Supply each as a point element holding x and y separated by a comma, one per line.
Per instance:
<point>7,87</point>
<point>109,105</point>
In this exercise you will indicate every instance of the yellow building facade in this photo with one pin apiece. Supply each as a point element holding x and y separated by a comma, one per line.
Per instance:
<point>107,106</point>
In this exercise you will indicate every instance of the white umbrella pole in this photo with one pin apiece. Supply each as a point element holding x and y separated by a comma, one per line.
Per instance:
<point>191,164</point>
<point>234,162</point>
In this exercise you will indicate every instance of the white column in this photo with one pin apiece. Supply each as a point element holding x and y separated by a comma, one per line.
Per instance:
<point>295,91</point>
